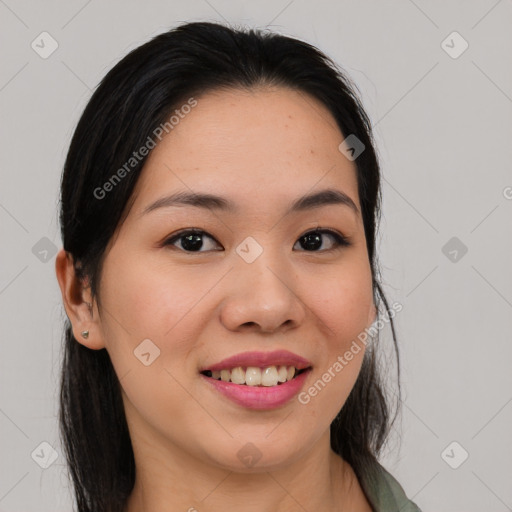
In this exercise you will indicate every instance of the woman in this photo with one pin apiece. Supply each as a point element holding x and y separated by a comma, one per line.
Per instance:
<point>219,206</point>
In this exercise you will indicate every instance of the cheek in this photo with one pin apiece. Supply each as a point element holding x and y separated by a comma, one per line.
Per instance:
<point>154,301</point>
<point>341,301</point>
<point>141,302</point>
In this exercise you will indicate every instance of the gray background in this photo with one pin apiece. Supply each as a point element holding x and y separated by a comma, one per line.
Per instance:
<point>443,127</point>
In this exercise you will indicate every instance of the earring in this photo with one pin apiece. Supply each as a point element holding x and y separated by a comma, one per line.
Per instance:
<point>85,334</point>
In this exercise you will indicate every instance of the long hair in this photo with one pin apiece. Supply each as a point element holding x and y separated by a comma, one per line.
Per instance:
<point>137,95</point>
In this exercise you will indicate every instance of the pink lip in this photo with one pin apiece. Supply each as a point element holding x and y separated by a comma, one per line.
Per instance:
<point>256,397</point>
<point>261,360</point>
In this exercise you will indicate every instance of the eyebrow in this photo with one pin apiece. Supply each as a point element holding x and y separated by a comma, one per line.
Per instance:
<point>209,201</point>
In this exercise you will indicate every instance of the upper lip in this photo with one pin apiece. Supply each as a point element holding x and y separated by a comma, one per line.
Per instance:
<point>260,359</point>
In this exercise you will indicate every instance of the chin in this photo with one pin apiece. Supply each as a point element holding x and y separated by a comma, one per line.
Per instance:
<point>255,454</point>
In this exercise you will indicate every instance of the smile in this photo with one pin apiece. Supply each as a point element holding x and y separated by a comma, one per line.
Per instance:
<point>258,396</point>
<point>255,376</point>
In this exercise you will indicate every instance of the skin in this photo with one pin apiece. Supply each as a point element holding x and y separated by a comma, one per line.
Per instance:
<point>262,149</point>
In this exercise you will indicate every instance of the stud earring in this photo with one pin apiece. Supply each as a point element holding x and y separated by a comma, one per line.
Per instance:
<point>85,334</point>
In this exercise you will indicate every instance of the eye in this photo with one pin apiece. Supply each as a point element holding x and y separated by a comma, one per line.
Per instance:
<point>191,240</point>
<point>312,240</point>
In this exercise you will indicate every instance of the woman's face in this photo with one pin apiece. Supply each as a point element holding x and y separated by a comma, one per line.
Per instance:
<point>249,282</point>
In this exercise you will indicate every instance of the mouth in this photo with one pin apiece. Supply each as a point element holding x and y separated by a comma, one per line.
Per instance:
<point>255,388</point>
<point>254,376</point>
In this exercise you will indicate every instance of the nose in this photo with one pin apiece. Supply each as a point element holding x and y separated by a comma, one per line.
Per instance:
<point>262,296</point>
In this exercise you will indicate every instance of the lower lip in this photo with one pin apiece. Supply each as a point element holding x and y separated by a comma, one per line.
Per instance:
<point>260,397</point>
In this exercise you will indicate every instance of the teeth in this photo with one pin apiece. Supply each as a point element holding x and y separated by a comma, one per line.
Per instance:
<point>269,376</point>
<point>254,376</point>
<point>237,375</point>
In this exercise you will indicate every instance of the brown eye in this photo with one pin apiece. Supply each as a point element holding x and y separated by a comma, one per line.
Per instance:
<point>193,240</point>
<point>190,240</point>
<point>313,240</point>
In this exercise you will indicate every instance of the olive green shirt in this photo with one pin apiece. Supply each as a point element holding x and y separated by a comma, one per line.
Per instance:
<point>384,493</point>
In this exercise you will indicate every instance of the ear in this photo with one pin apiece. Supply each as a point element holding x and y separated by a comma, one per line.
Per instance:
<point>77,300</point>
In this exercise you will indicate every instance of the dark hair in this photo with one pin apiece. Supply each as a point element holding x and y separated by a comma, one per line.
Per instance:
<point>136,96</point>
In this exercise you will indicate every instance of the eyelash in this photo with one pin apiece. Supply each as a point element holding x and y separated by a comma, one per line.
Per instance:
<point>340,241</point>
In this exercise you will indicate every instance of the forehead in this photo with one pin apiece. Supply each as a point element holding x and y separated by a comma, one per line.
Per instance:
<point>259,147</point>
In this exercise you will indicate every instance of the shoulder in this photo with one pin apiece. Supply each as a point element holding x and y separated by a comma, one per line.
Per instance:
<point>384,492</point>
